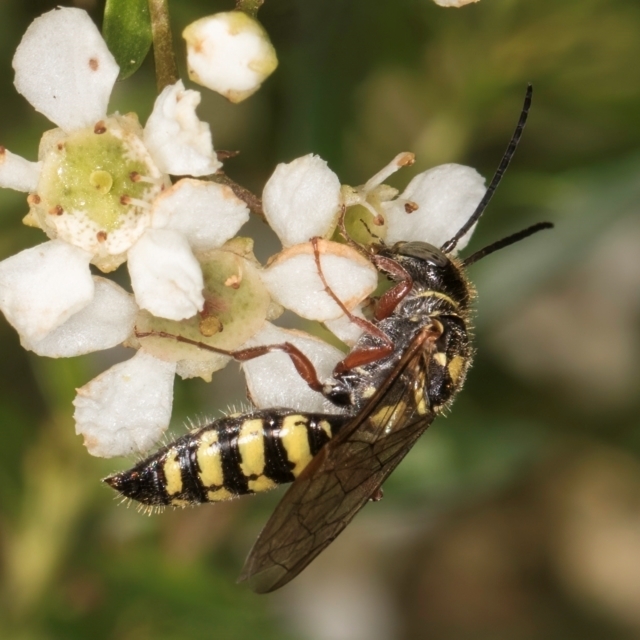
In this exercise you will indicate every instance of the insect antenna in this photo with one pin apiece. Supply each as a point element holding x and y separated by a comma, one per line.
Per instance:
<point>450,245</point>
<point>505,242</point>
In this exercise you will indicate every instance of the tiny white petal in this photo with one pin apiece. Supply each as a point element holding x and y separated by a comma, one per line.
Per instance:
<point>345,329</point>
<point>446,196</point>
<point>206,213</point>
<point>301,200</point>
<point>293,280</point>
<point>126,409</point>
<point>272,379</point>
<point>64,69</point>
<point>229,53</point>
<point>165,276</point>
<point>18,173</point>
<point>201,368</point>
<point>105,322</point>
<point>42,287</point>
<point>178,141</point>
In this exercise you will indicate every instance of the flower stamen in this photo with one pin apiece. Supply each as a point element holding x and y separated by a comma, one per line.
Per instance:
<point>134,176</point>
<point>135,202</point>
<point>404,159</point>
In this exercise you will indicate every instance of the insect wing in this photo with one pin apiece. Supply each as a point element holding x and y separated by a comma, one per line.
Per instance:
<point>346,473</point>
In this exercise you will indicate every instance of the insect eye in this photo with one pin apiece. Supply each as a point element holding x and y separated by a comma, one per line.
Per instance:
<point>422,251</point>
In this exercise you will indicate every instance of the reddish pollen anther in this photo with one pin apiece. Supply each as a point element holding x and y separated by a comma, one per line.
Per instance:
<point>410,206</point>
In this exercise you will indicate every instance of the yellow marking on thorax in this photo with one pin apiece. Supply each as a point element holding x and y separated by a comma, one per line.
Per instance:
<point>179,502</point>
<point>388,415</point>
<point>326,427</point>
<point>172,475</point>
<point>368,392</point>
<point>219,495</point>
<point>251,447</point>
<point>440,358</point>
<point>438,294</point>
<point>209,461</point>
<point>295,441</point>
<point>420,399</point>
<point>456,368</point>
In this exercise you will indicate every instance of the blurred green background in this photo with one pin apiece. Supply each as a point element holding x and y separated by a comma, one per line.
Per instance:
<point>517,517</point>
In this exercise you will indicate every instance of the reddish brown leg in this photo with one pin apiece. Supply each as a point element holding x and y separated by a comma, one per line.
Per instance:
<point>365,325</point>
<point>303,365</point>
<point>394,296</point>
<point>358,357</point>
<point>348,239</point>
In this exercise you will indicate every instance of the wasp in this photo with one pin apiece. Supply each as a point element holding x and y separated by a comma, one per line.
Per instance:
<point>407,367</point>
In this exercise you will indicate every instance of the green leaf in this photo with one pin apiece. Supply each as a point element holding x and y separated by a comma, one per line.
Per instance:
<point>127,31</point>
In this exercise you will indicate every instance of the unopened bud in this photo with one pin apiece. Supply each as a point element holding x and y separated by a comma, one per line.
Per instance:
<point>229,53</point>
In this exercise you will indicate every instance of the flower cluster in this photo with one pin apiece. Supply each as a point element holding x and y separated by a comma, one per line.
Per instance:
<point>101,192</point>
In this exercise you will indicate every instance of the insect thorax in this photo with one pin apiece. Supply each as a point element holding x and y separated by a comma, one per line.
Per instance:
<point>441,294</point>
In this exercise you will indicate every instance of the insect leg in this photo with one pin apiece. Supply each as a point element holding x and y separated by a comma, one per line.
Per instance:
<point>394,296</point>
<point>357,357</point>
<point>303,365</point>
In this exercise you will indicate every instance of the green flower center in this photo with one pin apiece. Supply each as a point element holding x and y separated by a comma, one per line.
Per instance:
<point>94,172</point>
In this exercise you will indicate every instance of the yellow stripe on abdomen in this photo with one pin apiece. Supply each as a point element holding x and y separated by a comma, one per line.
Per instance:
<point>209,461</point>
<point>295,440</point>
<point>172,475</point>
<point>251,449</point>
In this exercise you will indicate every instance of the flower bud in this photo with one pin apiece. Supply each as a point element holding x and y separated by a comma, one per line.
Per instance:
<point>229,53</point>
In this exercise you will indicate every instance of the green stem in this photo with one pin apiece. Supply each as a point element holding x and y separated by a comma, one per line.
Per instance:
<point>165,59</point>
<point>250,7</point>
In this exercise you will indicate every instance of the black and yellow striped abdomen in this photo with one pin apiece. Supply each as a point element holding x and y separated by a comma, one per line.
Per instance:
<point>230,457</point>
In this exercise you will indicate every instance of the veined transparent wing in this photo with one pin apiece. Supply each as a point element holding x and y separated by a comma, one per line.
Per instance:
<point>346,473</point>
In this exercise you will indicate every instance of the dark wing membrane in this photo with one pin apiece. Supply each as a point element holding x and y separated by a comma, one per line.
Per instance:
<point>346,473</point>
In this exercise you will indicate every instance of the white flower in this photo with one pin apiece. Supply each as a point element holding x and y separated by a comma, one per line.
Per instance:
<point>229,53</point>
<point>126,409</point>
<point>100,186</point>
<point>300,203</point>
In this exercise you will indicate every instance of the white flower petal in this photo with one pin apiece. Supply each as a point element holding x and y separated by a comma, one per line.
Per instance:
<point>273,381</point>
<point>301,200</point>
<point>165,276</point>
<point>229,53</point>
<point>18,173</point>
<point>204,368</point>
<point>178,141</point>
<point>64,69</point>
<point>105,322</point>
<point>127,408</point>
<point>42,287</point>
<point>206,213</point>
<point>293,281</point>
<point>446,195</point>
<point>345,329</point>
